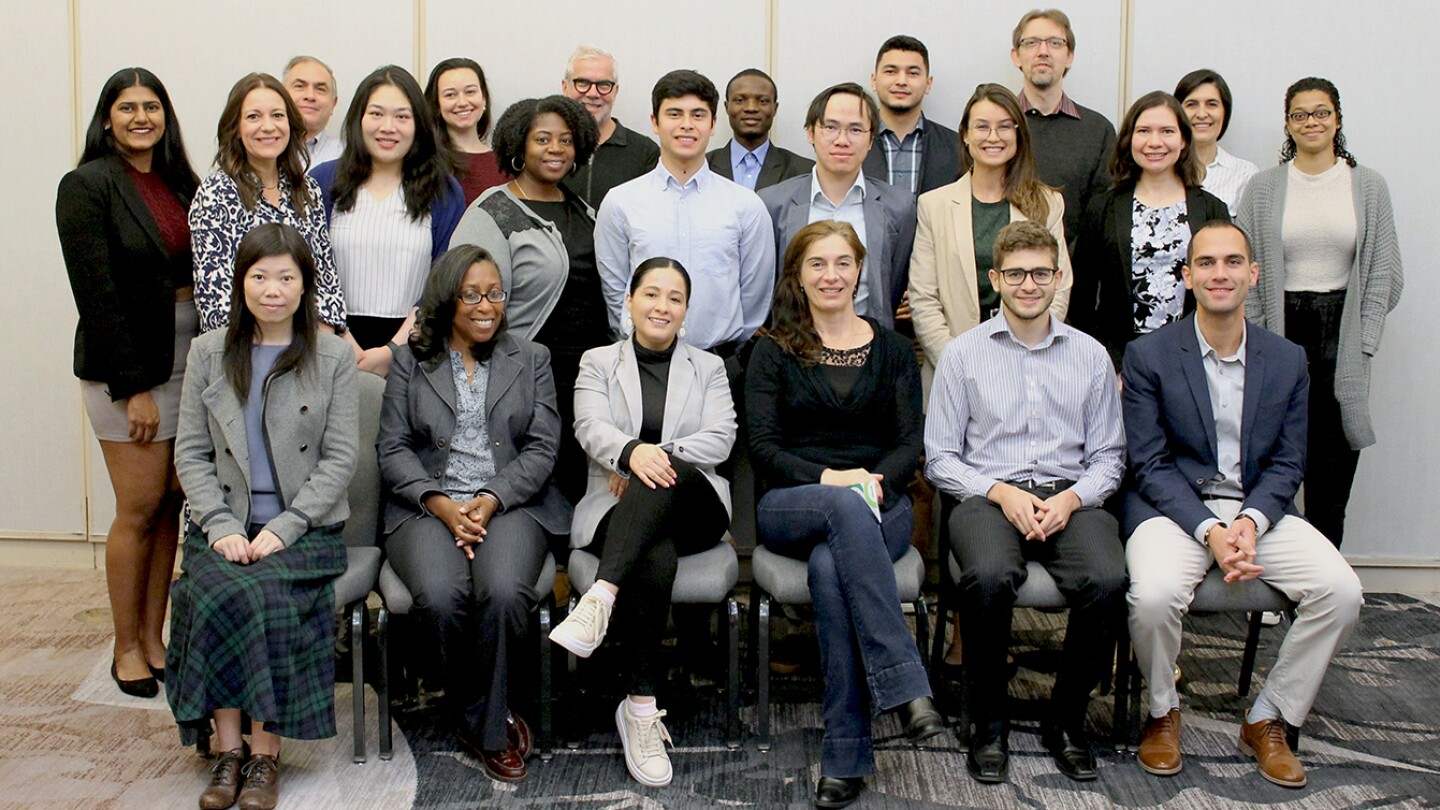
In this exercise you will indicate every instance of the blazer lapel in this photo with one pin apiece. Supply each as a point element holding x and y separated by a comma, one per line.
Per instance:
<point>1122,218</point>
<point>442,381</point>
<point>771,169</point>
<point>504,369</point>
<point>721,164</point>
<point>226,410</point>
<point>1254,384</point>
<point>680,385</point>
<point>627,370</point>
<point>797,214</point>
<point>131,195</point>
<point>878,256</point>
<point>1193,365</point>
<point>960,220</point>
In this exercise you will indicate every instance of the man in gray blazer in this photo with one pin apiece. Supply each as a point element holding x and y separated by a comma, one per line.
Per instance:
<point>841,126</point>
<point>751,158</point>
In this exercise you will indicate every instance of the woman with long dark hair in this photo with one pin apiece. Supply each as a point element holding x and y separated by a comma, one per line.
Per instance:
<point>833,406</point>
<point>259,177</point>
<point>269,432</point>
<point>391,202</point>
<point>121,218</point>
<point>950,290</point>
<point>468,435</point>
<point>1324,234</point>
<point>1134,238</point>
<point>1208,104</point>
<point>459,97</point>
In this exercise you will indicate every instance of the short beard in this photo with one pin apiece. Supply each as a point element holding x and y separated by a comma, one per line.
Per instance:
<point>1042,83</point>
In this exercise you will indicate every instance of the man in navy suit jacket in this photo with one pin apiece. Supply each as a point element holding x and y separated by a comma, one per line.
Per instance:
<point>1215,419</point>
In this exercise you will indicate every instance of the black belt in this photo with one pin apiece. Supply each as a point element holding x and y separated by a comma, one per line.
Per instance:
<point>1043,486</point>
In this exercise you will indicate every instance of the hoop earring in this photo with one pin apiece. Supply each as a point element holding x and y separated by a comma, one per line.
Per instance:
<point>519,168</point>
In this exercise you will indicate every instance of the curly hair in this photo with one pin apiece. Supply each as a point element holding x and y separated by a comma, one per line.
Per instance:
<point>513,129</point>
<point>792,327</point>
<point>232,158</point>
<point>1287,150</point>
<point>1123,168</point>
<point>435,320</point>
<point>1022,188</point>
<point>168,159</point>
<point>426,167</point>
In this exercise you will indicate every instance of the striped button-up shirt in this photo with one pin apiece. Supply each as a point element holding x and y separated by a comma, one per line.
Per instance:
<point>1003,411</point>
<point>1227,176</point>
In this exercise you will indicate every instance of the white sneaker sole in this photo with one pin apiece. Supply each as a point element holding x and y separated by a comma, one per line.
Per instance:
<point>635,772</point>
<point>560,636</point>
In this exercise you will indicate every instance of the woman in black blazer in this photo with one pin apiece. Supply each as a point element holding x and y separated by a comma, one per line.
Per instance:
<point>1134,237</point>
<point>123,233</point>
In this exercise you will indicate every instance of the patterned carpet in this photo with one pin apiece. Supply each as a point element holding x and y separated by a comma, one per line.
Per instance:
<point>71,740</point>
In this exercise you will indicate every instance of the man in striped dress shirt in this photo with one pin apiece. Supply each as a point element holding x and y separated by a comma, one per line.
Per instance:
<point>1024,430</point>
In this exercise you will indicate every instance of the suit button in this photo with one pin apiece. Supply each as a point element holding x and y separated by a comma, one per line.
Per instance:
<point>304,408</point>
<point>304,447</point>
<point>441,442</point>
<point>228,453</point>
<point>438,474</point>
<point>225,487</point>
<point>1200,481</point>
<point>497,443</point>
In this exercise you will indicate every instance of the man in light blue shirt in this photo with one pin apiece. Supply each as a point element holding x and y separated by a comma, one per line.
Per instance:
<point>716,229</point>
<point>751,158</point>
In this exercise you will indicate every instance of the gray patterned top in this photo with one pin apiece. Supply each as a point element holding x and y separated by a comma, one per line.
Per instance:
<point>472,463</point>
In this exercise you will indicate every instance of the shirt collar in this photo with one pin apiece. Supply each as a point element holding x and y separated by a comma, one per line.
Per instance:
<point>1000,325</point>
<point>815,190</point>
<point>1067,106</point>
<point>663,179</point>
<point>1222,158</point>
<point>1206,349</point>
<point>618,137</point>
<point>919,126</point>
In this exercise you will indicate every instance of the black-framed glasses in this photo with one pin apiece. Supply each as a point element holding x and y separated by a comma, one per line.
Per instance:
<point>473,297</point>
<point>604,87</point>
<point>1054,43</point>
<point>1299,116</point>
<point>1015,276</point>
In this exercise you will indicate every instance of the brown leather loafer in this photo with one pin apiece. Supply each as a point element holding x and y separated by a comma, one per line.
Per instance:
<point>1160,749</point>
<point>1265,741</point>
<point>505,765</point>
<point>262,783</point>
<point>224,781</point>
<point>518,731</point>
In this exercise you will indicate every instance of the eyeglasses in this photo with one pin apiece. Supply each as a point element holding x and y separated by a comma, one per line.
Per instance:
<point>1054,43</point>
<point>471,297</point>
<point>604,87</point>
<point>1015,276</point>
<point>1322,115</point>
<point>831,130</point>
<point>1005,130</point>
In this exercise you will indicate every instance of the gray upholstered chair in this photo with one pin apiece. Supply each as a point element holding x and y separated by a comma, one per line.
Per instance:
<point>397,601</point>
<point>781,579</point>
<point>707,578</point>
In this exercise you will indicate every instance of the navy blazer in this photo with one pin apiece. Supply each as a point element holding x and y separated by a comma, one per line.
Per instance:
<point>417,420</point>
<point>889,236</point>
<point>780,164</point>
<point>1170,428</point>
<point>939,163</point>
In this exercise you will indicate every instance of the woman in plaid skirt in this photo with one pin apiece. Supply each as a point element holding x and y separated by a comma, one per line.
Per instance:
<point>266,447</point>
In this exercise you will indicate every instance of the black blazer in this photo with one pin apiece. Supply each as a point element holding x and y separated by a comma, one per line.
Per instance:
<point>1102,296</point>
<point>122,278</point>
<point>939,163</point>
<point>780,165</point>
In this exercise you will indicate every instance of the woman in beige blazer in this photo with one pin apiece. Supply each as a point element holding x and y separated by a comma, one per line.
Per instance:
<point>949,291</point>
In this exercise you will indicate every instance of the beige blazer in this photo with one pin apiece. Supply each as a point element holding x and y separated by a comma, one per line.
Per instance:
<point>944,285</point>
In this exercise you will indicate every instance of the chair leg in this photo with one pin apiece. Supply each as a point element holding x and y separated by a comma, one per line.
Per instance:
<point>732,698</point>
<point>937,647</point>
<point>382,642</point>
<point>922,627</point>
<point>546,689</point>
<point>1247,664</point>
<point>1120,694</point>
<point>762,671</point>
<point>1292,736</point>
<point>357,675</point>
<point>572,664</point>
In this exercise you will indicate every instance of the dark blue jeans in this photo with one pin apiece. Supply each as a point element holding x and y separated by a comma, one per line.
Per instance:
<point>866,650</point>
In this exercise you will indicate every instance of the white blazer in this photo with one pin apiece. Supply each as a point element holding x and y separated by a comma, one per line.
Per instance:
<point>699,424</point>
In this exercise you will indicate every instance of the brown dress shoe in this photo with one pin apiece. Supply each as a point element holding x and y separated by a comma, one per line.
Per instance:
<point>518,732</point>
<point>262,783</point>
<point>1265,741</point>
<point>224,781</point>
<point>1160,749</point>
<point>505,765</point>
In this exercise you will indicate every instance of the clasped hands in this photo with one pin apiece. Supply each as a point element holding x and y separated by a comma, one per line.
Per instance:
<point>1234,549</point>
<point>1032,516</point>
<point>238,549</point>
<point>465,520</point>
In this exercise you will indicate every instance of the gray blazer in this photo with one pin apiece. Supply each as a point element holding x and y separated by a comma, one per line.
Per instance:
<point>889,236</point>
<point>699,422</point>
<point>312,429</point>
<point>417,420</point>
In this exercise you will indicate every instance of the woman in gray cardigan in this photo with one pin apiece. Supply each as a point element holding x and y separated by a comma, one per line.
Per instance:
<point>1324,235</point>
<point>267,443</point>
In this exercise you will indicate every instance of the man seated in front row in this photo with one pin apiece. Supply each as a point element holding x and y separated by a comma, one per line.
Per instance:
<point>1024,427</point>
<point>1215,414</point>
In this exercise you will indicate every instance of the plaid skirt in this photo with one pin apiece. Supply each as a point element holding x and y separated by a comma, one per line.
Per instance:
<point>257,637</point>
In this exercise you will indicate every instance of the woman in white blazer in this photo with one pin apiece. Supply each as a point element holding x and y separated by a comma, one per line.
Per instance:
<point>655,417</point>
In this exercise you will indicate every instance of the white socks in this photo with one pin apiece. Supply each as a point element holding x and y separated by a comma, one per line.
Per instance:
<point>639,709</point>
<point>1263,709</point>
<point>603,594</point>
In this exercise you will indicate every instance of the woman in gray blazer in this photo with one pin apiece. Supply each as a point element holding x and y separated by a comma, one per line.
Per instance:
<point>655,417</point>
<point>266,446</point>
<point>467,442</point>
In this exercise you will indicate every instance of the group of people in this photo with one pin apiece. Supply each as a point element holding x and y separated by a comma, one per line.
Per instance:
<point>1081,300</point>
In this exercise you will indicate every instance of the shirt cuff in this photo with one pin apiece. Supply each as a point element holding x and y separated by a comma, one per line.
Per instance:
<point>1262,523</point>
<point>1204,529</point>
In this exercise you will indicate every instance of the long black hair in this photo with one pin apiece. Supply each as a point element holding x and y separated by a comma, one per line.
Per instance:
<point>262,242</point>
<point>168,158</point>
<point>433,324</point>
<point>426,167</point>
<point>1287,151</point>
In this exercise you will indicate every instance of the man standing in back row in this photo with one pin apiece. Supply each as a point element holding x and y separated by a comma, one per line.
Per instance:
<point>911,151</point>
<point>751,158</point>
<point>311,85</point>
<point>592,78</point>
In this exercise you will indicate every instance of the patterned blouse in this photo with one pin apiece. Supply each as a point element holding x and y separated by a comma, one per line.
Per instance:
<point>471,464</point>
<point>1159,238</point>
<point>219,220</point>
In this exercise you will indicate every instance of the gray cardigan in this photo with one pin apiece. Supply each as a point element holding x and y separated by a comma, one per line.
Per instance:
<point>312,429</point>
<point>1376,279</point>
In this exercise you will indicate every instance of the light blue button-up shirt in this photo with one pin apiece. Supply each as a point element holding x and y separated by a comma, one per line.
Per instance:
<point>746,174</point>
<point>1225,377</point>
<point>719,231</point>
<point>850,210</point>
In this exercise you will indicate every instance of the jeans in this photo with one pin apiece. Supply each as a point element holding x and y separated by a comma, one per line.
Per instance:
<point>866,651</point>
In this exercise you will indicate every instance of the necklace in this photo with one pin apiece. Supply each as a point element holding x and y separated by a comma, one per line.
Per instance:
<point>519,189</point>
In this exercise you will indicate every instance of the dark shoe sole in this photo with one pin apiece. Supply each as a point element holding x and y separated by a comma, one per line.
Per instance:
<point>140,687</point>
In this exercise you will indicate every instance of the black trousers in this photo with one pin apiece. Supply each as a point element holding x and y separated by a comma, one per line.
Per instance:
<point>640,542</point>
<point>1313,321</point>
<point>1087,562</point>
<point>371,331</point>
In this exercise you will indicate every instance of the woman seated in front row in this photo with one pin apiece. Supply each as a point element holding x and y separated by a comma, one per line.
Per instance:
<point>655,417</point>
<point>267,442</point>
<point>833,402</point>
<point>468,436</point>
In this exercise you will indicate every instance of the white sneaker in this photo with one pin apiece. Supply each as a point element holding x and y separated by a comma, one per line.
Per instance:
<point>584,629</point>
<point>1269,618</point>
<point>644,741</point>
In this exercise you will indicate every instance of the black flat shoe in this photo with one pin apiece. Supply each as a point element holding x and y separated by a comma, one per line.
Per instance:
<point>988,760</point>
<point>157,672</point>
<point>833,792</point>
<point>1071,752</point>
<point>140,687</point>
<point>920,719</point>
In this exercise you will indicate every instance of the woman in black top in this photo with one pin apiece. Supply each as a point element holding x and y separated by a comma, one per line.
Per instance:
<point>833,403</point>
<point>121,217</point>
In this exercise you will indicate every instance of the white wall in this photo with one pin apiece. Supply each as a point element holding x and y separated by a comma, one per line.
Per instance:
<point>199,50</point>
